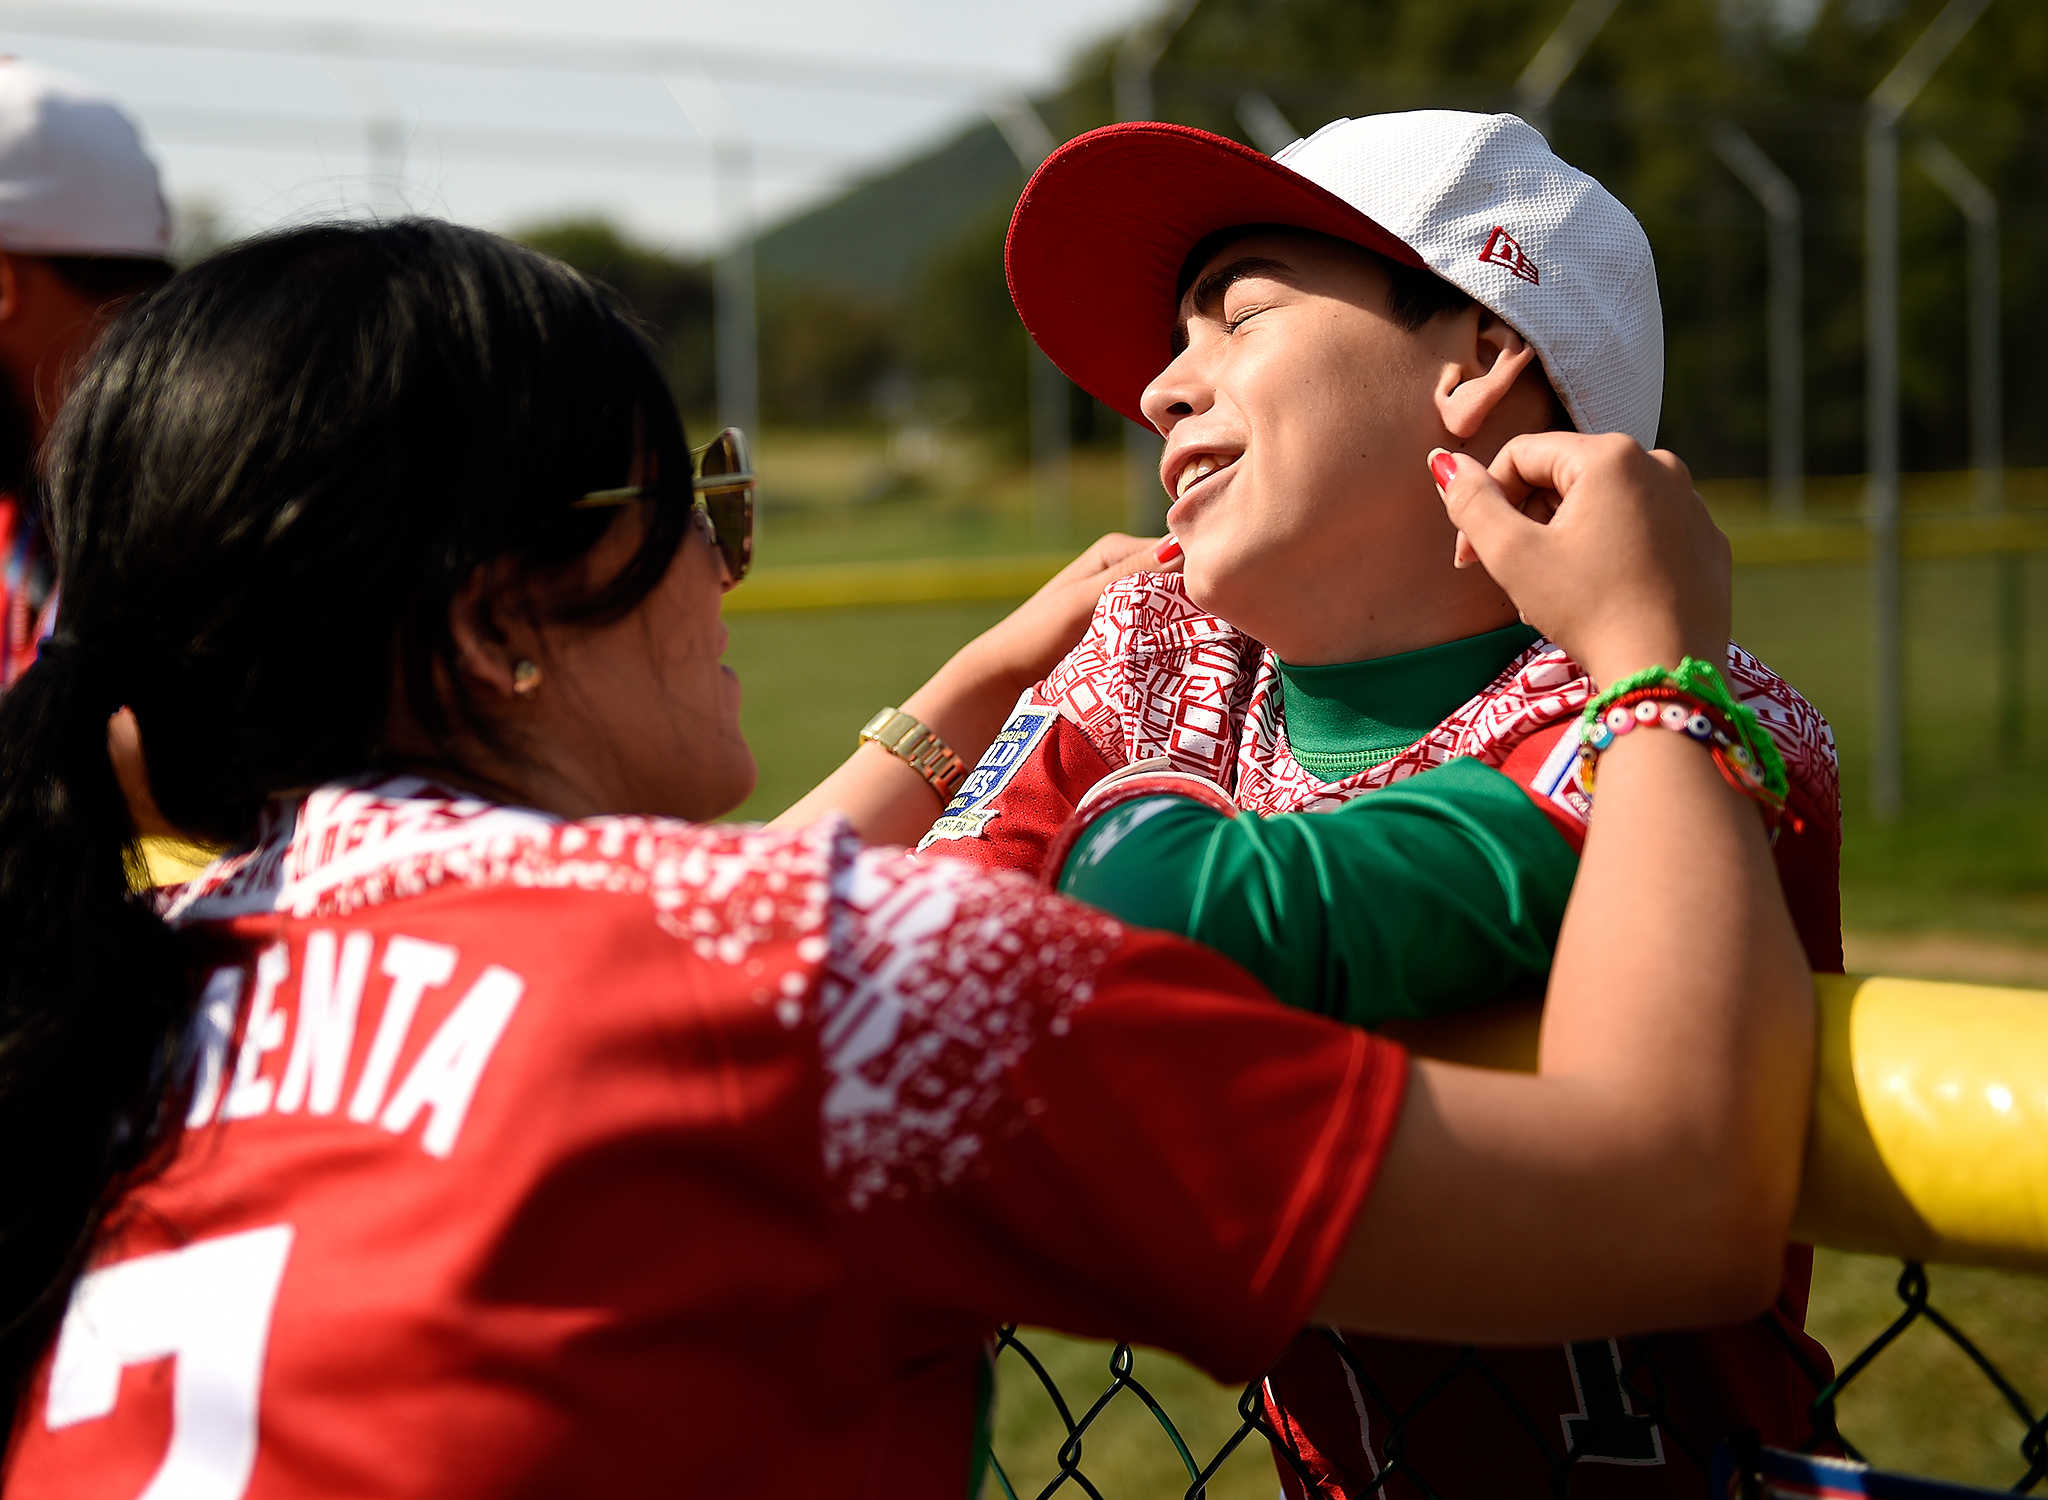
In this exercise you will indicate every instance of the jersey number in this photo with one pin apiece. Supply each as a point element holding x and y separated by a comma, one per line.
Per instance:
<point>208,1306</point>
<point>1605,1429</point>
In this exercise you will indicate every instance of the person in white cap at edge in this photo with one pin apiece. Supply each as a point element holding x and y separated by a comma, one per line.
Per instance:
<point>1304,331</point>
<point>82,228</point>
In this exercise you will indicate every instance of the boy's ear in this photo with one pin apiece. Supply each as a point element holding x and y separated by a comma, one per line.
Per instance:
<point>1485,359</point>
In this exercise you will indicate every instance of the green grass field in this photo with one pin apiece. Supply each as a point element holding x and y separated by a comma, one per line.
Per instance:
<point>1969,860</point>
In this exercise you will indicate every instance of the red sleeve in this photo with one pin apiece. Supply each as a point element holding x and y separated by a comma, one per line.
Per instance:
<point>1808,854</point>
<point>1008,811</point>
<point>1153,1151</point>
<point>1807,851</point>
<point>1545,765</point>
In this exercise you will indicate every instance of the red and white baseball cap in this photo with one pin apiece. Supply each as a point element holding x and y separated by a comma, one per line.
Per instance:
<point>1099,238</point>
<point>74,179</point>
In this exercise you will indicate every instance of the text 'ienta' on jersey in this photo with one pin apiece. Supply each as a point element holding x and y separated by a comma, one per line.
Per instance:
<point>313,1034</point>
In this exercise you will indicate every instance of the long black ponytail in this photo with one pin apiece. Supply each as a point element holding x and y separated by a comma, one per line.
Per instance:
<point>269,484</point>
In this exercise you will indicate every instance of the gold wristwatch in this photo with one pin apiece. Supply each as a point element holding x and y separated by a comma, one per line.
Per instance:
<point>928,755</point>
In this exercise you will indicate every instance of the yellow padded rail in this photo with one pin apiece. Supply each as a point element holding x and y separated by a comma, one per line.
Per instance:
<point>1930,1119</point>
<point>1930,1123</point>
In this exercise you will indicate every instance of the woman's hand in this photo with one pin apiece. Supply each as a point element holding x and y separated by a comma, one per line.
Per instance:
<point>967,700</point>
<point>1026,644</point>
<point>1629,569</point>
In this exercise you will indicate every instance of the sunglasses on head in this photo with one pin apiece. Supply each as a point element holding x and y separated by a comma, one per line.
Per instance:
<point>722,491</point>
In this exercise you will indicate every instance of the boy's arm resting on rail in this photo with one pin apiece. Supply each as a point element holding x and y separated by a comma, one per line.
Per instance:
<point>967,700</point>
<point>1646,1177</point>
<point>1439,892</point>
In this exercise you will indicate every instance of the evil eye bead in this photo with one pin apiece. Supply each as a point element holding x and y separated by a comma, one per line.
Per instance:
<point>1700,727</point>
<point>1646,711</point>
<point>1599,737</point>
<point>1673,717</point>
<point>1619,720</point>
<point>1741,756</point>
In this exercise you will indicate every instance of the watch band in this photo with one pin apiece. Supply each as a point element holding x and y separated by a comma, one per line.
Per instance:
<point>931,757</point>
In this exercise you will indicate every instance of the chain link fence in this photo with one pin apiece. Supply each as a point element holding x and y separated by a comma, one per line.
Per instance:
<point>1406,1472</point>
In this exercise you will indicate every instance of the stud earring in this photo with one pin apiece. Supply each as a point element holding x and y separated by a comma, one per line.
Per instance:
<point>525,678</point>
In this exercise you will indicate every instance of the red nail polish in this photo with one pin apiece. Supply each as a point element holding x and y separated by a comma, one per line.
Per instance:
<point>1445,468</point>
<point>1168,549</point>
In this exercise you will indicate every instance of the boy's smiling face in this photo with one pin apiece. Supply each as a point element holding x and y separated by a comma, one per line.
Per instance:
<point>1298,417</point>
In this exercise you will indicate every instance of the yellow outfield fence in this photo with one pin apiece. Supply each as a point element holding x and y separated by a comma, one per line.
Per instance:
<point>954,580</point>
<point>919,580</point>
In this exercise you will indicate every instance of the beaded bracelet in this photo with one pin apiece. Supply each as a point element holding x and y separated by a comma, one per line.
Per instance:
<point>1695,702</point>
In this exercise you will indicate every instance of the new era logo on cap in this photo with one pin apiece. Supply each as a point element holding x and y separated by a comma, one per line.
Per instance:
<point>1501,250</point>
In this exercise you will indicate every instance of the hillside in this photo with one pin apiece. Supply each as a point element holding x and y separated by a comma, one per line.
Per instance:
<point>876,237</point>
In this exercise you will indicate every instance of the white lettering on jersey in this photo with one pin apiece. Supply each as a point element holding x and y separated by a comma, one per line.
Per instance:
<point>413,967</point>
<point>213,1027</point>
<point>249,1095</point>
<point>207,1305</point>
<point>329,994</point>
<point>445,1077</point>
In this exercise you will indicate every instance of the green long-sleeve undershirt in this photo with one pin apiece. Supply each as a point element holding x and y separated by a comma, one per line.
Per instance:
<point>1439,891</point>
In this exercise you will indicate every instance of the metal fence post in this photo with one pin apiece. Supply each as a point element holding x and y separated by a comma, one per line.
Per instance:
<point>1780,200</point>
<point>1888,101</point>
<point>736,320</point>
<point>1270,130</point>
<point>735,324</point>
<point>383,127</point>
<point>1052,505</point>
<point>1979,208</point>
<point>1881,425</point>
<point>1142,48</point>
<point>1555,59</point>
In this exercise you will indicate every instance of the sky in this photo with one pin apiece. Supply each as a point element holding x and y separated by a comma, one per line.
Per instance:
<point>510,112</point>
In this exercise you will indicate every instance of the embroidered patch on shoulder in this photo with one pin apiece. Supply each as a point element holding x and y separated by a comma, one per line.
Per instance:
<point>969,812</point>
<point>1558,777</point>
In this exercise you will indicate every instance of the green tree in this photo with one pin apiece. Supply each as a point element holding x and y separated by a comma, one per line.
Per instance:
<point>671,298</point>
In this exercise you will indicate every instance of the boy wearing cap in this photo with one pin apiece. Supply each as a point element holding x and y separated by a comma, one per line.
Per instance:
<point>82,227</point>
<point>1304,331</point>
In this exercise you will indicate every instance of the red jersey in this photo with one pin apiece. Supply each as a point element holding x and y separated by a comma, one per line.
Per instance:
<point>622,1156</point>
<point>28,590</point>
<point>1158,680</point>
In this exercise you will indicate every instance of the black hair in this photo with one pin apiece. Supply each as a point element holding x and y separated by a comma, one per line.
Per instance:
<point>109,278</point>
<point>1415,296</point>
<point>270,483</point>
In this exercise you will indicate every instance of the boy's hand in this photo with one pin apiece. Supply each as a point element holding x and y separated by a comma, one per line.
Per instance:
<point>1629,570</point>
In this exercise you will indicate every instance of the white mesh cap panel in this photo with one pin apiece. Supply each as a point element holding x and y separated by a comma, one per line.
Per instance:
<point>1487,204</point>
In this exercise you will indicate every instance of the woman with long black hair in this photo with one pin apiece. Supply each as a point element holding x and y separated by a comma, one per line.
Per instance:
<point>488,1124</point>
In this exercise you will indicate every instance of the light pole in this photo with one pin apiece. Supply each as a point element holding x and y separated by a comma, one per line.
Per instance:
<point>383,127</point>
<point>735,324</point>
<point>1979,209</point>
<point>1555,59</point>
<point>1131,77</point>
<point>1780,200</point>
<point>1046,389</point>
<point>1888,101</point>
<point>1270,130</point>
